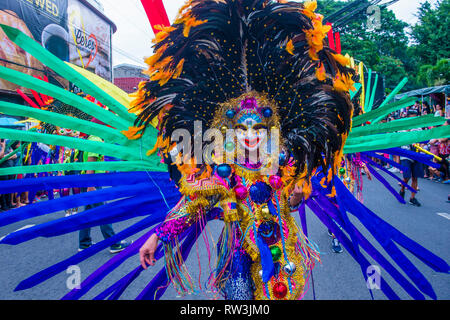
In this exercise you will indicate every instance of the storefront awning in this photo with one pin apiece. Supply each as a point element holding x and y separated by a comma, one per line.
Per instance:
<point>424,92</point>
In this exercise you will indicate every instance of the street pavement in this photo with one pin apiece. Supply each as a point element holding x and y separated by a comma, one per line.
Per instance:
<point>337,277</point>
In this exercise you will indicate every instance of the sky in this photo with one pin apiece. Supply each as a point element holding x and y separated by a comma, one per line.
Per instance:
<point>132,41</point>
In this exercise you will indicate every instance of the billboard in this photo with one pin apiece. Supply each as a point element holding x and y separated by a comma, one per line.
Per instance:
<point>89,39</point>
<point>67,28</point>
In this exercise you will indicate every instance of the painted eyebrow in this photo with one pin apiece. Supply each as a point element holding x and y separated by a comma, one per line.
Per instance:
<point>259,126</point>
<point>240,126</point>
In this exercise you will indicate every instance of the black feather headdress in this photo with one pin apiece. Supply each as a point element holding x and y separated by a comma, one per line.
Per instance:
<point>64,109</point>
<point>217,50</point>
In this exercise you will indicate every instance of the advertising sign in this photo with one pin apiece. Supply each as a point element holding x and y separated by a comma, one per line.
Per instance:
<point>89,39</point>
<point>67,28</point>
<point>42,20</point>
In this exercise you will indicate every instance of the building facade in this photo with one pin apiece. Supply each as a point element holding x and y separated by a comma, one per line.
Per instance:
<point>128,76</point>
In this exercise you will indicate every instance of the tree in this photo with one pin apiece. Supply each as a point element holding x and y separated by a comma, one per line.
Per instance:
<point>423,57</point>
<point>430,47</point>
<point>430,35</point>
<point>392,69</point>
<point>437,75</point>
<point>383,50</point>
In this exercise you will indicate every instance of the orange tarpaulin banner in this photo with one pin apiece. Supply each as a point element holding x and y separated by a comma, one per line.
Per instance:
<point>156,13</point>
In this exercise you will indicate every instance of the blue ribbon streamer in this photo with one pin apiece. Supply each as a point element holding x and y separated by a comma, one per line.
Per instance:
<point>330,224</point>
<point>74,201</point>
<point>373,163</point>
<point>83,181</point>
<point>386,184</point>
<point>110,265</point>
<point>125,282</point>
<point>267,265</point>
<point>423,158</point>
<point>391,162</point>
<point>105,214</point>
<point>45,274</point>
<point>334,213</point>
<point>383,233</point>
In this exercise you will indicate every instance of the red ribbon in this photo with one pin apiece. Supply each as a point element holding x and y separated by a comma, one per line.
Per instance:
<point>334,39</point>
<point>156,13</point>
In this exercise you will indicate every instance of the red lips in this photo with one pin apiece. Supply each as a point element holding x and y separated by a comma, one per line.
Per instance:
<point>251,143</point>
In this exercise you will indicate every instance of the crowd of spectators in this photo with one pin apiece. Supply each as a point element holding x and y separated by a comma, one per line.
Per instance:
<point>11,155</point>
<point>14,153</point>
<point>439,148</point>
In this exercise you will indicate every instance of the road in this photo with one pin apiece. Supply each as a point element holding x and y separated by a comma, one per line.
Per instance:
<point>337,277</point>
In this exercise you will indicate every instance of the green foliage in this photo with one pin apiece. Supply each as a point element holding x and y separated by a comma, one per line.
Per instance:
<point>421,55</point>
<point>431,33</point>
<point>430,44</point>
<point>437,75</point>
<point>392,69</point>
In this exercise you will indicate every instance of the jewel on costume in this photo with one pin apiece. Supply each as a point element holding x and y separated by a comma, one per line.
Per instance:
<point>265,210</point>
<point>267,112</point>
<point>279,290</point>
<point>224,170</point>
<point>275,182</point>
<point>249,103</point>
<point>270,232</point>
<point>241,192</point>
<point>260,192</point>
<point>276,253</point>
<point>230,114</point>
<point>290,268</point>
<point>229,146</point>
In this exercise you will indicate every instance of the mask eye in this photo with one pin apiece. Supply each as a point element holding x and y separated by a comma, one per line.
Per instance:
<point>240,127</point>
<point>62,131</point>
<point>259,126</point>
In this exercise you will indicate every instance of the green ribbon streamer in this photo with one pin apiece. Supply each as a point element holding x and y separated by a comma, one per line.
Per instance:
<point>120,152</point>
<point>382,112</point>
<point>6,158</point>
<point>7,146</point>
<point>372,96</point>
<point>397,125</point>
<point>57,65</point>
<point>391,140</point>
<point>382,117</point>
<point>358,87</point>
<point>121,166</point>
<point>391,96</point>
<point>394,92</point>
<point>367,98</point>
<point>65,96</point>
<point>63,121</point>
